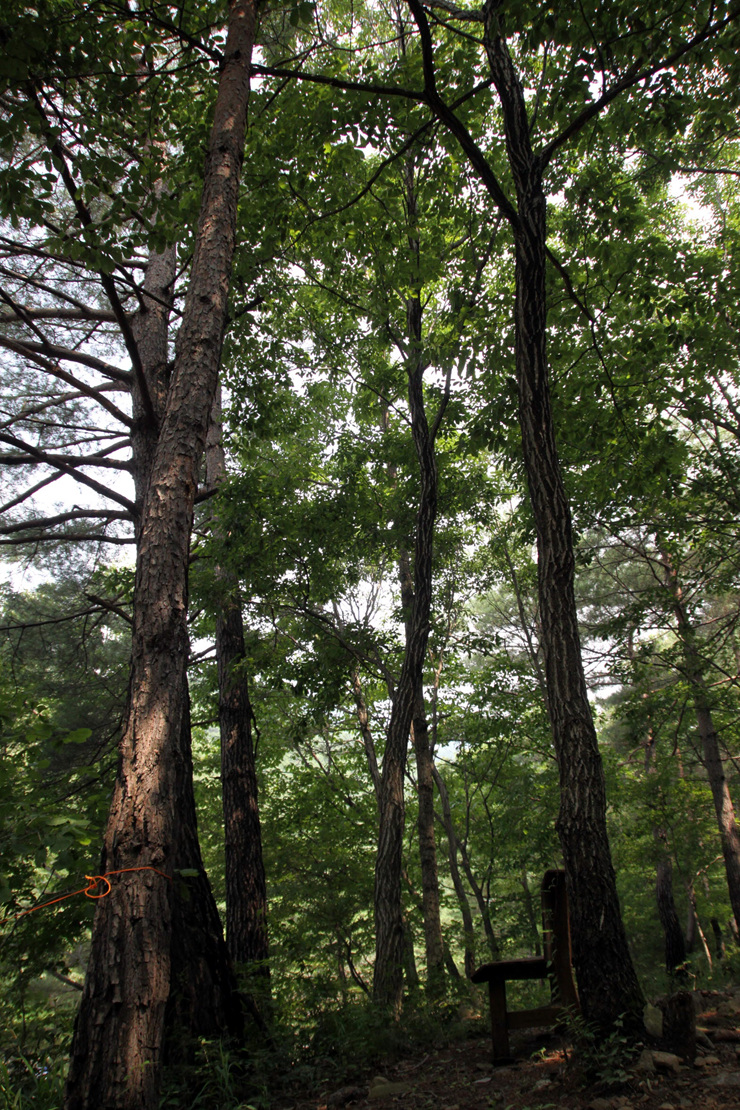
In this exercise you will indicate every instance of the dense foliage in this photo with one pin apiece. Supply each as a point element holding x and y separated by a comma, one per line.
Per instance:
<point>376,233</point>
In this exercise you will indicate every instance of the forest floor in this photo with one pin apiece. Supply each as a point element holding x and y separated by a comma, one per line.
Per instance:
<point>549,1074</point>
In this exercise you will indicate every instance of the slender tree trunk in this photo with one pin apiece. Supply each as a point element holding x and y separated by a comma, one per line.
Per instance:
<point>693,925</point>
<point>607,982</point>
<point>157,947</point>
<point>693,672</point>
<point>475,886</point>
<point>410,970</point>
<point>246,889</point>
<point>462,897</point>
<point>428,853</point>
<point>387,980</point>
<point>531,914</point>
<point>433,943</point>
<point>675,945</point>
<point>363,719</point>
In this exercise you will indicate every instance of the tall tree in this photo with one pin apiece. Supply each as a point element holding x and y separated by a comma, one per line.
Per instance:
<point>151,936</point>
<point>246,891</point>
<point>600,949</point>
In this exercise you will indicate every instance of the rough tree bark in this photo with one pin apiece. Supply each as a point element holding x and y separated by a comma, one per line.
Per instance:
<point>157,955</point>
<point>433,941</point>
<point>246,889</point>
<point>729,834</point>
<point>388,977</point>
<point>675,945</point>
<point>416,595</point>
<point>607,981</point>
<point>462,896</point>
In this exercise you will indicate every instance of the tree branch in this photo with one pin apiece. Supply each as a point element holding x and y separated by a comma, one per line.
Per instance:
<point>40,456</point>
<point>64,518</point>
<point>69,379</point>
<point>633,77</point>
<point>106,280</point>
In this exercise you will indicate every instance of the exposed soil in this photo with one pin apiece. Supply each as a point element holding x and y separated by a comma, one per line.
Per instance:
<point>548,1074</point>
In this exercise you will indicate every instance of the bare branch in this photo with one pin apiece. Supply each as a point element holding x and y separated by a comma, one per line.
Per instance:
<point>51,350</point>
<point>40,456</point>
<point>57,372</point>
<point>69,314</point>
<point>64,518</point>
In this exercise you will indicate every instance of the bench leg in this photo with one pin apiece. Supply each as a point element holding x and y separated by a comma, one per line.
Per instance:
<point>499,1023</point>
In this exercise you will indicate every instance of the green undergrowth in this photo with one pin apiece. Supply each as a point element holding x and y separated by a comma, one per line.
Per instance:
<point>602,1061</point>
<point>27,1085</point>
<point>325,1048</point>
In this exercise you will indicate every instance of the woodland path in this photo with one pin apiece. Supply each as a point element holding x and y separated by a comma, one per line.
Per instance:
<point>547,1075</point>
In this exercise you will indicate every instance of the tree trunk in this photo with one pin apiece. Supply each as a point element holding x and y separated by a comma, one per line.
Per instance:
<point>607,982</point>
<point>428,853</point>
<point>409,956</point>
<point>363,719</point>
<point>531,914</point>
<point>675,946</point>
<point>693,926</point>
<point>729,834</point>
<point>387,979</point>
<point>246,889</point>
<point>462,897</point>
<point>157,946</point>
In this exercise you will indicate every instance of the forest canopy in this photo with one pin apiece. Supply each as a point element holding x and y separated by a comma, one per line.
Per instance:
<point>370,447</point>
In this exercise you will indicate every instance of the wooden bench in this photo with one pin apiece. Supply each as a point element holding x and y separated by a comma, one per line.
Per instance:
<point>554,965</point>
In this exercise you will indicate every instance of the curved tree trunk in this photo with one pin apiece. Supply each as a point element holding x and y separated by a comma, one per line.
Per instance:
<point>428,853</point>
<point>462,896</point>
<point>387,979</point>
<point>729,834</point>
<point>157,946</point>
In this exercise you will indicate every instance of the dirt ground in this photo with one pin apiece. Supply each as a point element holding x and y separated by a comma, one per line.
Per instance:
<point>547,1074</point>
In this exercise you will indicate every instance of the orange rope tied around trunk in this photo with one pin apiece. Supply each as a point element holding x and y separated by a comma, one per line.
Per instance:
<point>93,882</point>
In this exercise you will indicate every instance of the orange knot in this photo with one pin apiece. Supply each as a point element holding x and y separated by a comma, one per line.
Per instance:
<point>93,882</point>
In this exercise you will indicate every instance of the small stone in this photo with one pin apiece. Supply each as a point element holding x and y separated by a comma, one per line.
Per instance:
<point>666,1106</point>
<point>600,1104</point>
<point>706,1061</point>
<point>645,1063</point>
<point>346,1095</point>
<point>724,1079</point>
<point>388,1090</point>
<point>666,1060</point>
<point>653,1020</point>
